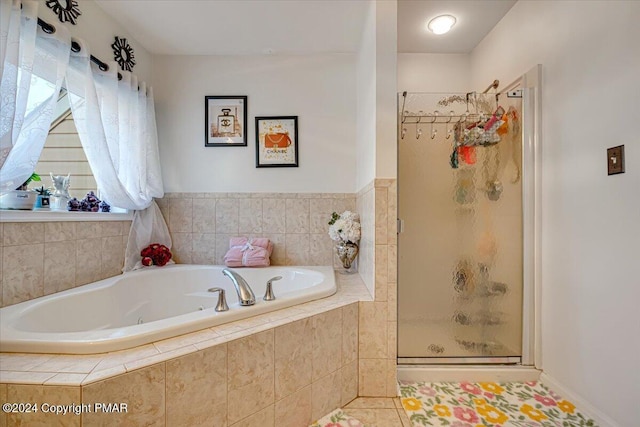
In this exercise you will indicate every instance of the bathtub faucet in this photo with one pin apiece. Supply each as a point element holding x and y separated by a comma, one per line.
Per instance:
<point>245,294</point>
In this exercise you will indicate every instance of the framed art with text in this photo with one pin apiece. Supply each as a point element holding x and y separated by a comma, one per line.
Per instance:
<point>225,119</point>
<point>277,141</point>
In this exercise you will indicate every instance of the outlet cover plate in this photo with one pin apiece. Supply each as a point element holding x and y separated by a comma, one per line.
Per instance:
<point>615,160</point>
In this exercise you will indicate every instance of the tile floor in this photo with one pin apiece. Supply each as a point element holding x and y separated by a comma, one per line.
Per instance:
<point>378,412</point>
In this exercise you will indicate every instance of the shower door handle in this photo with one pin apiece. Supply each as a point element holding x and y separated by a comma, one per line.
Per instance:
<point>400,226</point>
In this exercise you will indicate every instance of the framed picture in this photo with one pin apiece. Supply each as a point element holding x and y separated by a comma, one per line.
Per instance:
<point>277,141</point>
<point>225,121</point>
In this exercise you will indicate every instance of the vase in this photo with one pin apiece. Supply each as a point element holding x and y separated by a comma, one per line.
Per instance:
<point>347,252</point>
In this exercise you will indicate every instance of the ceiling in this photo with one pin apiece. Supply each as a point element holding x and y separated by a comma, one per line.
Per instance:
<point>250,27</point>
<point>475,18</point>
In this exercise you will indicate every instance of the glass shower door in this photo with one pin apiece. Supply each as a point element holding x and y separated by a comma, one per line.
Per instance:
<point>460,278</point>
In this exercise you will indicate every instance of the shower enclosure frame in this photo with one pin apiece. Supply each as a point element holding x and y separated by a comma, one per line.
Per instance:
<point>530,86</point>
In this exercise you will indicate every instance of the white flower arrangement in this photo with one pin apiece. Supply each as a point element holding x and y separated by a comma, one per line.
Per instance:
<point>345,227</point>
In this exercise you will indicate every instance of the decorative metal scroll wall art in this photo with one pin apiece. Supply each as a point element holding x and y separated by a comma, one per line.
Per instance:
<point>67,10</point>
<point>123,54</point>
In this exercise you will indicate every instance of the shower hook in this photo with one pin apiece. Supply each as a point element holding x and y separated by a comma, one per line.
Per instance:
<point>449,131</point>
<point>434,132</point>
<point>403,133</point>
<point>418,130</point>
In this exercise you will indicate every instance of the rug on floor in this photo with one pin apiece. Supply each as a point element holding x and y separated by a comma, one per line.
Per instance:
<point>528,404</point>
<point>337,419</point>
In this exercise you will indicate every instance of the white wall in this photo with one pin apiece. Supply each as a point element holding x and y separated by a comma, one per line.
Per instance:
<point>99,29</point>
<point>590,221</point>
<point>434,72</point>
<point>366,102</point>
<point>319,89</point>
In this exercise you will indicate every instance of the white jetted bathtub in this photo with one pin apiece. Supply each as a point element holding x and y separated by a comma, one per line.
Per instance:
<point>145,306</point>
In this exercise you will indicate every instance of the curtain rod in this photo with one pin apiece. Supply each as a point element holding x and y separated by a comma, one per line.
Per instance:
<point>75,47</point>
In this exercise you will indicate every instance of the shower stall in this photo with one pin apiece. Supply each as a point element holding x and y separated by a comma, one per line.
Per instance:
<point>466,233</point>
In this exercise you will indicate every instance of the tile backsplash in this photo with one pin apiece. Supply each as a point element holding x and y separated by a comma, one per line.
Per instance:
<point>201,224</point>
<point>41,258</point>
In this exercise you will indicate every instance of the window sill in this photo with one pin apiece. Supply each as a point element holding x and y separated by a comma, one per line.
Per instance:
<point>45,215</point>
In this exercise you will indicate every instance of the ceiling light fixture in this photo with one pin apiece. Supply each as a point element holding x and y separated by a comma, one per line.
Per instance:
<point>441,24</point>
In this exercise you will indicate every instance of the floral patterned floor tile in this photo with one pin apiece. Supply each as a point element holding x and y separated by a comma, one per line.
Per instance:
<point>528,404</point>
<point>337,419</point>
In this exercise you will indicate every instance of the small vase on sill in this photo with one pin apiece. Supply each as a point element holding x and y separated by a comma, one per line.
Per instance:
<point>347,253</point>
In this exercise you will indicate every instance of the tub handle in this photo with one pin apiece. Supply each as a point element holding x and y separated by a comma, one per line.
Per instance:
<point>268,295</point>
<point>222,301</point>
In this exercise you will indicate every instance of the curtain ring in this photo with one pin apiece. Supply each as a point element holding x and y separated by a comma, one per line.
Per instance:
<point>449,131</point>
<point>418,130</point>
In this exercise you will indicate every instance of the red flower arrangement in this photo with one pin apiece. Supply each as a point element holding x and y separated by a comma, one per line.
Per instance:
<point>155,254</point>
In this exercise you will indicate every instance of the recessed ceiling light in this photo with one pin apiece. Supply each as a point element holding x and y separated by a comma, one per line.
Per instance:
<point>441,24</point>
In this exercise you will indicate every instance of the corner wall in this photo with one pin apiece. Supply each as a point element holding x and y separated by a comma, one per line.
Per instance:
<point>590,60</point>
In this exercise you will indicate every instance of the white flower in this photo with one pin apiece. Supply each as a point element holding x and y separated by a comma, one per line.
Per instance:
<point>346,227</point>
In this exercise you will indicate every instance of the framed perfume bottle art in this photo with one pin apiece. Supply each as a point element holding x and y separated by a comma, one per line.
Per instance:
<point>225,121</point>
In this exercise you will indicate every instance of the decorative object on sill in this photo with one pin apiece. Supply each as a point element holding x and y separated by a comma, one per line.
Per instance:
<point>18,199</point>
<point>225,120</point>
<point>277,141</point>
<point>42,200</point>
<point>34,177</point>
<point>155,254</point>
<point>73,205</point>
<point>123,54</point>
<point>60,196</point>
<point>67,10</point>
<point>344,229</point>
<point>105,207</point>
<point>90,203</point>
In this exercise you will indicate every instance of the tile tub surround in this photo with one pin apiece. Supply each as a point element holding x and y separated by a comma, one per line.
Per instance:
<point>257,369</point>
<point>41,258</point>
<point>297,223</point>
<point>377,206</point>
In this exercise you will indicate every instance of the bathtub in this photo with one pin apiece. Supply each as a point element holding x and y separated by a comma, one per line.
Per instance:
<point>145,306</point>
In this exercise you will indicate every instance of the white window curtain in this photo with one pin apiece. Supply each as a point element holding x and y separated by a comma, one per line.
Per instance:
<point>117,128</point>
<point>33,67</point>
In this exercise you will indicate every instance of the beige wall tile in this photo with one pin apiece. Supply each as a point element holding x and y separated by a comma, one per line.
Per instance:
<point>392,214</point>
<point>53,395</point>
<point>3,399</point>
<point>59,266</point>
<point>293,356</point>
<point>372,377</point>
<point>143,391</point>
<point>59,231</point>
<point>250,375</point>
<point>23,273</point>
<point>381,269</point>
<point>344,204</point>
<point>319,215</point>
<point>320,250</point>
<point>297,249</point>
<point>297,215</point>
<point>326,395</point>
<point>23,233</point>
<point>349,373</point>
<point>372,323</point>
<point>204,215</point>
<point>227,216</point>
<point>349,333</point>
<point>392,302</point>
<point>381,212</point>
<point>295,409</point>
<point>278,256</point>
<point>204,247</point>
<point>88,230</point>
<point>181,247</point>
<point>273,215</point>
<point>89,259</point>
<point>392,378</point>
<point>392,340</point>
<point>110,228</point>
<point>222,247</point>
<point>264,418</point>
<point>327,343</point>
<point>181,215</point>
<point>197,388</point>
<point>376,417</point>
<point>112,259</point>
<point>249,216</point>
<point>392,260</point>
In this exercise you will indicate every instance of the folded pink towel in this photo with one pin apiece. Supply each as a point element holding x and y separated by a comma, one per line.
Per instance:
<point>245,252</point>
